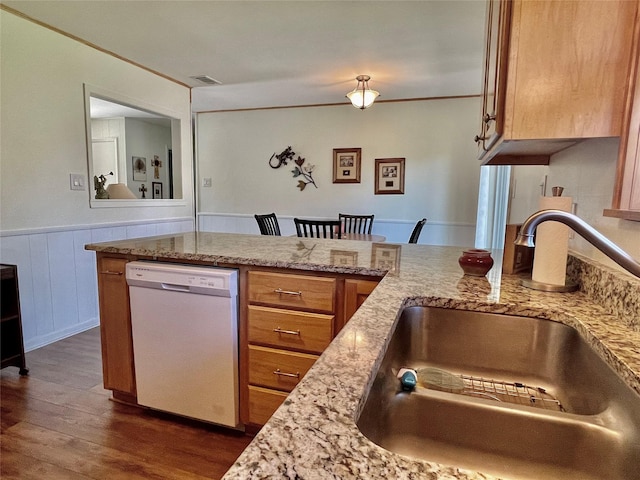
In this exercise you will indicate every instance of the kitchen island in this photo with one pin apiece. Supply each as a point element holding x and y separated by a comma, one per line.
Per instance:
<point>313,435</point>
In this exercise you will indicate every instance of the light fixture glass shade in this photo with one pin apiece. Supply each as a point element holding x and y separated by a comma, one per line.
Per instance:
<point>362,96</point>
<point>119,191</point>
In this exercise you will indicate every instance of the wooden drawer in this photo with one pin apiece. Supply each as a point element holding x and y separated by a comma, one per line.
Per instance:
<point>293,291</point>
<point>310,332</point>
<point>263,402</point>
<point>277,369</point>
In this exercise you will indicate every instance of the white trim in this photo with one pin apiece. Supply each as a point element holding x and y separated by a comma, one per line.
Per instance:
<point>117,203</point>
<point>92,226</point>
<point>381,220</point>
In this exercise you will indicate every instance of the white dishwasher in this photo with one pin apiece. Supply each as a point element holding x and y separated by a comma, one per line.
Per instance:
<point>184,322</point>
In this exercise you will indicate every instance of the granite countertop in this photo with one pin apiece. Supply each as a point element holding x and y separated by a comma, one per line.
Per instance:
<point>313,435</point>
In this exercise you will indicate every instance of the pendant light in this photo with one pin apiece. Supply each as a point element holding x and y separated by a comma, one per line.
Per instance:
<point>362,96</point>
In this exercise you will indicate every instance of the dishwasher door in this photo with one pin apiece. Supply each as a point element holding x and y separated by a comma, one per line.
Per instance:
<point>185,339</point>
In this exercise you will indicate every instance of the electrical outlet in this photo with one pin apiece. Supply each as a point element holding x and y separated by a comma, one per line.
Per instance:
<point>206,182</point>
<point>76,181</point>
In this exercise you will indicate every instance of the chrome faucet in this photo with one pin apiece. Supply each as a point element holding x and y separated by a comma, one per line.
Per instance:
<point>606,246</point>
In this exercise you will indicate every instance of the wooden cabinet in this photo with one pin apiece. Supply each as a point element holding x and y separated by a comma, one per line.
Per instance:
<point>555,72</point>
<point>287,319</point>
<point>626,195</point>
<point>355,293</point>
<point>12,348</point>
<point>290,321</point>
<point>115,328</point>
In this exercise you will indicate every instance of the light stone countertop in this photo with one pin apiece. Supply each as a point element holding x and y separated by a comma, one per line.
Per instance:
<point>313,435</point>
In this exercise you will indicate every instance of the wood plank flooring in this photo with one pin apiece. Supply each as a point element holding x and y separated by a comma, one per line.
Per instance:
<point>59,423</point>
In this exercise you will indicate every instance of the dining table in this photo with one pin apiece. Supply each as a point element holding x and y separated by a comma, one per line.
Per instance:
<point>365,237</point>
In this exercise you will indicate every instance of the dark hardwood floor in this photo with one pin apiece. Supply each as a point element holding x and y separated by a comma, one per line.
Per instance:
<point>59,423</point>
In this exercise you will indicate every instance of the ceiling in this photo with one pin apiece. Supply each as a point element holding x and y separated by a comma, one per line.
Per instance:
<point>285,53</point>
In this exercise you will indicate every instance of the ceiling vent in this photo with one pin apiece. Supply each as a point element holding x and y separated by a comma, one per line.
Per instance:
<point>207,79</point>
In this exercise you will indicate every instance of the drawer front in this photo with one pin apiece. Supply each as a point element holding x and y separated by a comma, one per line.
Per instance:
<point>310,332</point>
<point>277,369</point>
<point>263,402</point>
<point>292,291</point>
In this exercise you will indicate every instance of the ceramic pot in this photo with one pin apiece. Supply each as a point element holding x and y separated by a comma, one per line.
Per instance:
<point>475,262</point>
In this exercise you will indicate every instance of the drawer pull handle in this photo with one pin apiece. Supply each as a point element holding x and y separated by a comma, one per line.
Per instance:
<point>288,332</point>
<point>287,292</point>
<point>108,272</point>
<point>285,374</point>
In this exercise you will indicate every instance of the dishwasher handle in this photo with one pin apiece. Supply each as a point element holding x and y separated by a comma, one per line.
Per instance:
<point>175,288</point>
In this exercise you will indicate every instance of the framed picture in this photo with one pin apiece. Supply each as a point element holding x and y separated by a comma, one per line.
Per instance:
<point>156,189</point>
<point>346,165</point>
<point>386,256</point>
<point>344,258</point>
<point>389,176</point>
<point>139,169</point>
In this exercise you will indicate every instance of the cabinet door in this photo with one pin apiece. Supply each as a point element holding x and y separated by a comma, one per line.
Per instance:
<point>626,195</point>
<point>495,67</point>
<point>568,68</point>
<point>115,326</point>
<point>355,293</point>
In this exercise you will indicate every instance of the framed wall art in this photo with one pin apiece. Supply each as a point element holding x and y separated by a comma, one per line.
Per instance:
<point>389,176</point>
<point>139,165</point>
<point>156,189</point>
<point>346,165</point>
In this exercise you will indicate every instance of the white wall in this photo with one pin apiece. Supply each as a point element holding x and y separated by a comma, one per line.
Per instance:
<point>43,126</point>
<point>435,138</point>
<point>43,224</point>
<point>587,173</point>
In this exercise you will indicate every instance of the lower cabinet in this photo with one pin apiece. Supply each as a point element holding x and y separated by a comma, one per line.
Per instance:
<point>115,328</point>
<point>290,321</point>
<point>291,318</point>
<point>287,319</point>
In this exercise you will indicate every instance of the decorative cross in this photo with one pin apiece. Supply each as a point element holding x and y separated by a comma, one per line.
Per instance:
<point>143,189</point>
<point>157,163</point>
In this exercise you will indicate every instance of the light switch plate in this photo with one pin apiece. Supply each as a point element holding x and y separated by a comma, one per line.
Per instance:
<point>76,180</point>
<point>206,182</point>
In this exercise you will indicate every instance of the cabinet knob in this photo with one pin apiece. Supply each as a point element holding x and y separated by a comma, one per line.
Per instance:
<point>478,138</point>
<point>489,117</point>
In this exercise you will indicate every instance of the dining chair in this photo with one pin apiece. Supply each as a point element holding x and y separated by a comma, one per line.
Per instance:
<point>356,223</point>
<point>268,224</point>
<point>317,228</point>
<point>416,231</point>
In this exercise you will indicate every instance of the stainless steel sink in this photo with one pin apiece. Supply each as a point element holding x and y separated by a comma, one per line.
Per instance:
<point>586,426</point>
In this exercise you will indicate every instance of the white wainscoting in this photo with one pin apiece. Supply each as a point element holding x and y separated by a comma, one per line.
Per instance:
<point>57,276</point>
<point>395,231</point>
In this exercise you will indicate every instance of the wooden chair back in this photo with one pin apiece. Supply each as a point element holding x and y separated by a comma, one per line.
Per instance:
<point>317,228</point>
<point>356,223</point>
<point>416,231</point>
<point>268,224</point>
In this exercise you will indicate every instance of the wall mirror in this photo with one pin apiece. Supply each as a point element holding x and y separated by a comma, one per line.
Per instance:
<point>133,152</point>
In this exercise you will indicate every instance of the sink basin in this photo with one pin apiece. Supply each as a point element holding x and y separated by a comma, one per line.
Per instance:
<point>531,399</point>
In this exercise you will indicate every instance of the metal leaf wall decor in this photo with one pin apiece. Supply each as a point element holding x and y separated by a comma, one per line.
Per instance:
<point>301,171</point>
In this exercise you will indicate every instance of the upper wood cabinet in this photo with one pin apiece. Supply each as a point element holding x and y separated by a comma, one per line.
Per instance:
<point>626,195</point>
<point>555,72</point>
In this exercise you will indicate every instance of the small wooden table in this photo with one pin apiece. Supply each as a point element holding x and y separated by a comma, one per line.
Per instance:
<point>365,237</point>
